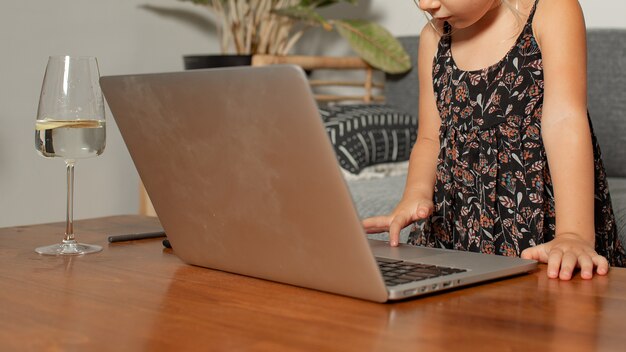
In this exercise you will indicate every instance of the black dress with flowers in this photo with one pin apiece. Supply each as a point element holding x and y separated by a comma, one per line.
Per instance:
<point>493,192</point>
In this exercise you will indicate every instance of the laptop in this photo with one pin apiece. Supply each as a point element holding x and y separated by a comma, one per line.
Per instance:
<point>244,179</point>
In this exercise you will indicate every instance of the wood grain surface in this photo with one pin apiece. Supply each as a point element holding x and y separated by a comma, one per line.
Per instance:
<point>138,296</point>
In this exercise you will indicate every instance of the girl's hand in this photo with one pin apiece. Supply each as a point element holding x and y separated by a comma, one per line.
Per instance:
<point>405,213</point>
<point>566,252</point>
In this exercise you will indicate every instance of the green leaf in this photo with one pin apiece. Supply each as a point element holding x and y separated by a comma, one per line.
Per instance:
<point>375,45</point>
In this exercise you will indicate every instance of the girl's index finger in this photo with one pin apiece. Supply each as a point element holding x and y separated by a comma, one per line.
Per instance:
<point>397,224</point>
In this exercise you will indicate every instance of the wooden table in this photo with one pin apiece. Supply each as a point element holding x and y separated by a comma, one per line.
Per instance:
<point>137,296</point>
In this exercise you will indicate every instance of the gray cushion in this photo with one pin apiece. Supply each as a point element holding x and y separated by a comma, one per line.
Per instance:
<point>401,90</point>
<point>377,196</point>
<point>606,69</point>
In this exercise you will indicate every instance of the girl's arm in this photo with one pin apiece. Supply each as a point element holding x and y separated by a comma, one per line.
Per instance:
<point>560,30</point>
<point>416,202</point>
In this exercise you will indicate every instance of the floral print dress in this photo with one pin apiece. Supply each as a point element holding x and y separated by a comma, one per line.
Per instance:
<point>493,191</point>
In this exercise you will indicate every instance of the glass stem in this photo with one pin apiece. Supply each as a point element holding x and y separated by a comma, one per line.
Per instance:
<point>69,219</point>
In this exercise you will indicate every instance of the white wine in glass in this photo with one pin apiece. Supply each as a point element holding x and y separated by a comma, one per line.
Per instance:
<point>70,125</point>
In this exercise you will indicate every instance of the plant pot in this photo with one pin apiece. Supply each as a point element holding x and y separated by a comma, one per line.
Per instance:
<point>193,62</point>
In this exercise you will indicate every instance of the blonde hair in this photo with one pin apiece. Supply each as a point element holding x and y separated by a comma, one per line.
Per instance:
<point>514,9</point>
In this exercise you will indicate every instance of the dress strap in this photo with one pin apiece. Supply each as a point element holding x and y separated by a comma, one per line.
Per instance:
<point>445,40</point>
<point>532,13</point>
<point>447,28</point>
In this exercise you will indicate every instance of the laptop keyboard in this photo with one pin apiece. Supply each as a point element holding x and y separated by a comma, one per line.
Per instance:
<point>398,272</point>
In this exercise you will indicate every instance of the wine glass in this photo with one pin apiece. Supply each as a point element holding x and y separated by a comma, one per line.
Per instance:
<point>70,125</point>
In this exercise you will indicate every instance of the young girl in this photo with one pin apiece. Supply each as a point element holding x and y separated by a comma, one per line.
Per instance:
<point>505,160</point>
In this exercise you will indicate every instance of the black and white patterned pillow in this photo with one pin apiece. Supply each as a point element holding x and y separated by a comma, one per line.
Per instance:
<point>369,134</point>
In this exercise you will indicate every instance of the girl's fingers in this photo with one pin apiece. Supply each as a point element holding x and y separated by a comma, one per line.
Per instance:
<point>554,263</point>
<point>537,253</point>
<point>423,211</point>
<point>568,264</point>
<point>586,266</point>
<point>376,224</point>
<point>397,224</point>
<point>562,264</point>
<point>602,265</point>
<point>530,253</point>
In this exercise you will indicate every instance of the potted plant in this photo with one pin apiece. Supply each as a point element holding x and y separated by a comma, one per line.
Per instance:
<point>249,27</point>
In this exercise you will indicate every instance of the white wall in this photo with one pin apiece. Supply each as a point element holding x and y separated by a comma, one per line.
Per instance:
<point>126,38</point>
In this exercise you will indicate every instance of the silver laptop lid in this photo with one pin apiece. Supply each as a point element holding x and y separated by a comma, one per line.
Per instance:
<point>232,161</point>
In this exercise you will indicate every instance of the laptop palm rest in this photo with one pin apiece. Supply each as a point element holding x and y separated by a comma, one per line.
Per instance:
<point>402,252</point>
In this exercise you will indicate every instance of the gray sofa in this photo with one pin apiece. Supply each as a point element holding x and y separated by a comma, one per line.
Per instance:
<point>606,102</point>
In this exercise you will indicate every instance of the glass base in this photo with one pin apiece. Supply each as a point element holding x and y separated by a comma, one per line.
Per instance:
<point>68,248</point>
